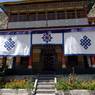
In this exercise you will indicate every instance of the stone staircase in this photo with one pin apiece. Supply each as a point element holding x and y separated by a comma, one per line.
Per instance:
<point>45,85</point>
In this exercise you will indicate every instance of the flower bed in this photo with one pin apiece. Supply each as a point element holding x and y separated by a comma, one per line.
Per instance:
<point>73,83</point>
<point>74,86</point>
<point>66,85</point>
<point>18,87</point>
<point>17,84</point>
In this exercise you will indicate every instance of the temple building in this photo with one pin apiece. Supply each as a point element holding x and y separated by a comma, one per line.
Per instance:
<point>47,20</point>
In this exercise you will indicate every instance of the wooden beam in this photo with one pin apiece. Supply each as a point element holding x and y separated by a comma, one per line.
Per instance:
<point>43,10</point>
<point>26,2</point>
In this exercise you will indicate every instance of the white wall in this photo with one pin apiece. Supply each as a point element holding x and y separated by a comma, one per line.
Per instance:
<point>34,24</point>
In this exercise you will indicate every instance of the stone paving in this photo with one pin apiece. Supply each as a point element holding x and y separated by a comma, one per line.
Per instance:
<point>76,92</point>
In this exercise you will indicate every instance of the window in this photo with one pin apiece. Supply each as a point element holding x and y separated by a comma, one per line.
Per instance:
<point>70,14</point>
<point>81,13</point>
<point>23,17</point>
<point>13,17</point>
<point>18,17</point>
<point>51,16</point>
<point>32,16</point>
<point>60,15</point>
<point>41,16</point>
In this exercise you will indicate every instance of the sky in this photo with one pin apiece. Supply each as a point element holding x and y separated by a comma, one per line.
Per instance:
<point>6,0</point>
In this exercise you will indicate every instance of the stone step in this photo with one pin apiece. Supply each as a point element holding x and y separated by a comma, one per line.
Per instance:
<point>49,91</point>
<point>44,80</point>
<point>44,83</point>
<point>44,94</point>
<point>46,76</point>
<point>45,86</point>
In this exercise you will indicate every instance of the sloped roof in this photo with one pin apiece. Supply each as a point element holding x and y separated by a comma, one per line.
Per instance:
<point>34,1</point>
<point>26,1</point>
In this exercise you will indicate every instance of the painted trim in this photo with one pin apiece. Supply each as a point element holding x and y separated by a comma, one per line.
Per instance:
<point>79,54</point>
<point>14,33</point>
<point>53,27</point>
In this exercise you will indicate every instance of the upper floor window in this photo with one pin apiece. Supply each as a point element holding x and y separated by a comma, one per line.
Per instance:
<point>51,16</point>
<point>41,16</point>
<point>60,15</point>
<point>71,14</point>
<point>13,17</point>
<point>23,17</point>
<point>81,13</point>
<point>32,17</point>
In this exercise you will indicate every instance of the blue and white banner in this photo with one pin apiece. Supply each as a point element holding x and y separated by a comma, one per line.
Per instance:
<point>79,43</point>
<point>47,38</point>
<point>17,44</point>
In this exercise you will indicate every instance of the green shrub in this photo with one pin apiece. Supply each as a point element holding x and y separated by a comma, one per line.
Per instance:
<point>74,83</point>
<point>61,84</point>
<point>19,84</point>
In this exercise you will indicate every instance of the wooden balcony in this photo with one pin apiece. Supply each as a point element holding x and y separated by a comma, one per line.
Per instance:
<point>46,6</point>
<point>48,23</point>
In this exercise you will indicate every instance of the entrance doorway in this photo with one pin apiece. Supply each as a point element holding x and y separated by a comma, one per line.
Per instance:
<point>48,58</point>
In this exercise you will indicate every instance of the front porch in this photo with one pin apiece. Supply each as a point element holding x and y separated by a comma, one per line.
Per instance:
<point>49,59</point>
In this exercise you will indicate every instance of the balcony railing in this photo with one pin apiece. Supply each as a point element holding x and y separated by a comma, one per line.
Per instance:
<point>48,23</point>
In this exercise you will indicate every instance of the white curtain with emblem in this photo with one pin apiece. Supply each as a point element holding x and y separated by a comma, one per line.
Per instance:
<point>47,38</point>
<point>13,45</point>
<point>79,43</point>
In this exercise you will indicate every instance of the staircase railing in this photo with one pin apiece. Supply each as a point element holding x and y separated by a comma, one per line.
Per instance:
<point>55,82</point>
<point>35,87</point>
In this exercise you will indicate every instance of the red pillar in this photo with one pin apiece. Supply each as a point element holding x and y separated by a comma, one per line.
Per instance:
<point>93,60</point>
<point>63,61</point>
<point>30,63</point>
<point>18,59</point>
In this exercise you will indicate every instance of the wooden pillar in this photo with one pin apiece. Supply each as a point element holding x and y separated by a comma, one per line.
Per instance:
<point>93,61</point>
<point>1,62</point>
<point>30,62</point>
<point>63,60</point>
<point>4,63</point>
<point>89,61</point>
<point>9,62</point>
<point>18,60</point>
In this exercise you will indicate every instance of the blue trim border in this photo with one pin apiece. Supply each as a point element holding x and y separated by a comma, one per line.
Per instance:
<point>76,29</point>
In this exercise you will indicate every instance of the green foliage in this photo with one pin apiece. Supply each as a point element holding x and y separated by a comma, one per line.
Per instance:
<point>19,84</point>
<point>1,82</point>
<point>62,84</point>
<point>70,84</point>
<point>90,4</point>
